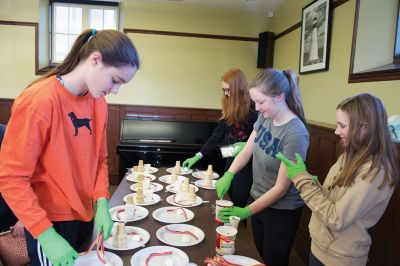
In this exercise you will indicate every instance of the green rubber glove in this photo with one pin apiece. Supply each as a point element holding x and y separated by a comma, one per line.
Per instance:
<point>238,148</point>
<point>224,183</point>
<point>242,213</point>
<point>103,221</point>
<point>188,163</point>
<point>56,248</point>
<point>292,168</point>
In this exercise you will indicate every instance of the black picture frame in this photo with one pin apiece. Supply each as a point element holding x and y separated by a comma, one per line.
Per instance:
<point>315,39</point>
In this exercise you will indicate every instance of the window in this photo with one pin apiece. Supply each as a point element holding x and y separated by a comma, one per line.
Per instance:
<point>383,64</point>
<point>396,55</point>
<point>70,19</point>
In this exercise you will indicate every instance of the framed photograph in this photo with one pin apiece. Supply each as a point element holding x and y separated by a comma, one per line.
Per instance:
<point>315,37</point>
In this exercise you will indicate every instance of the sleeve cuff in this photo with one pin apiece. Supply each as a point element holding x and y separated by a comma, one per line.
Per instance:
<point>101,193</point>
<point>302,176</point>
<point>40,227</point>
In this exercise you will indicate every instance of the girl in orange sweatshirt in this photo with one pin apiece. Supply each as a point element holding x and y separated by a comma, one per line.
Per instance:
<point>53,162</point>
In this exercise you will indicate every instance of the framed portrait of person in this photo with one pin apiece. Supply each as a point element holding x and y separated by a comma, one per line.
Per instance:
<point>316,26</point>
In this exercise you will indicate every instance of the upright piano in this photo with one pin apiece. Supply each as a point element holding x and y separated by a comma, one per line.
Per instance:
<point>162,143</point>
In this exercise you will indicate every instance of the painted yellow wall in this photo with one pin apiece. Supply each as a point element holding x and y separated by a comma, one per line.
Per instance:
<point>19,10</point>
<point>288,15</point>
<point>17,64</point>
<point>322,91</point>
<point>175,71</point>
<point>173,16</point>
<point>17,47</point>
<point>182,71</point>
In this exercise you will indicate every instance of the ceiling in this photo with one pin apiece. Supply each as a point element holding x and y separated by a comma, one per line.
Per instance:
<point>249,5</point>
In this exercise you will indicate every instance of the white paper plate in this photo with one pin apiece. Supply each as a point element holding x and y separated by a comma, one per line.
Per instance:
<point>174,188</point>
<point>92,259</point>
<point>147,201</point>
<point>147,170</point>
<point>241,260</point>
<point>178,257</point>
<point>184,203</point>
<point>200,183</point>
<point>167,178</point>
<point>139,214</point>
<point>155,187</point>
<point>134,177</point>
<point>132,243</point>
<point>202,175</point>
<point>182,172</point>
<point>175,239</point>
<point>173,215</point>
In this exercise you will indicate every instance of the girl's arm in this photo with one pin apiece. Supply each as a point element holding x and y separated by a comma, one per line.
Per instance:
<point>244,156</point>
<point>26,135</point>
<point>216,137</point>
<point>357,200</point>
<point>274,194</point>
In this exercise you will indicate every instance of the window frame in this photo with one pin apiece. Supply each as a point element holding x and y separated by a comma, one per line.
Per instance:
<point>386,72</point>
<point>396,52</point>
<point>86,6</point>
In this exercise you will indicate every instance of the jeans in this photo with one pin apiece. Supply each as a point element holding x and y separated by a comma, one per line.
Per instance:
<point>239,191</point>
<point>273,232</point>
<point>313,261</point>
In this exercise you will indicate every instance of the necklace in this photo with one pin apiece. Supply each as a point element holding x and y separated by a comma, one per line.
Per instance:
<point>59,78</point>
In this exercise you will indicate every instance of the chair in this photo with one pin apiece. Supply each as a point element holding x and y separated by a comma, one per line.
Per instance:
<point>13,250</point>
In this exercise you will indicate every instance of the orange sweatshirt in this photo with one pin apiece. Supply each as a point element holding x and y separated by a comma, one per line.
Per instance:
<point>53,160</point>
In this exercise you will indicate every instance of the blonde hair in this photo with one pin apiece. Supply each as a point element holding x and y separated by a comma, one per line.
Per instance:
<point>273,82</point>
<point>368,140</point>
<point>236,107</point>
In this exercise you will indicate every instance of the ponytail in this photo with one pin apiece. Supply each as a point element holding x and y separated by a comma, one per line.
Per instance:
<point>273,82</point>
<point>114,46</point>
<point>293,99</point>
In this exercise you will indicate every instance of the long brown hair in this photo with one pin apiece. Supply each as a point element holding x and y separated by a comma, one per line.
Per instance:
<point>273,82</point>
<point>236,107</point>
<point>368,140</point>
<point>114,46</point>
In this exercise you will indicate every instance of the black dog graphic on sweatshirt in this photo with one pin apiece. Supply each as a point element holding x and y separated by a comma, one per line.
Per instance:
<point>80,122</point>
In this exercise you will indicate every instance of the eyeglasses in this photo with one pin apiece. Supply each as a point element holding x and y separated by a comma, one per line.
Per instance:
<point>225,90</point>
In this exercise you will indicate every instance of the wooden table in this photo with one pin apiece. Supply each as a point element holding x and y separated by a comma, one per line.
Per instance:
<point>204,219</point>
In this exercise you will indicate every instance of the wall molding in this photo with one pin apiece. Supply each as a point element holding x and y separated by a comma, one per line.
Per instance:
<point>28,24</point>
<point>193,35</point>
<point>335,4</point>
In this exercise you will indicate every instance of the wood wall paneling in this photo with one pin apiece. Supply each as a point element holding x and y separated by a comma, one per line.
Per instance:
<point>113,133</point>
<point>322,153</point>
<point>117,112</point>
<point>5,110</point>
